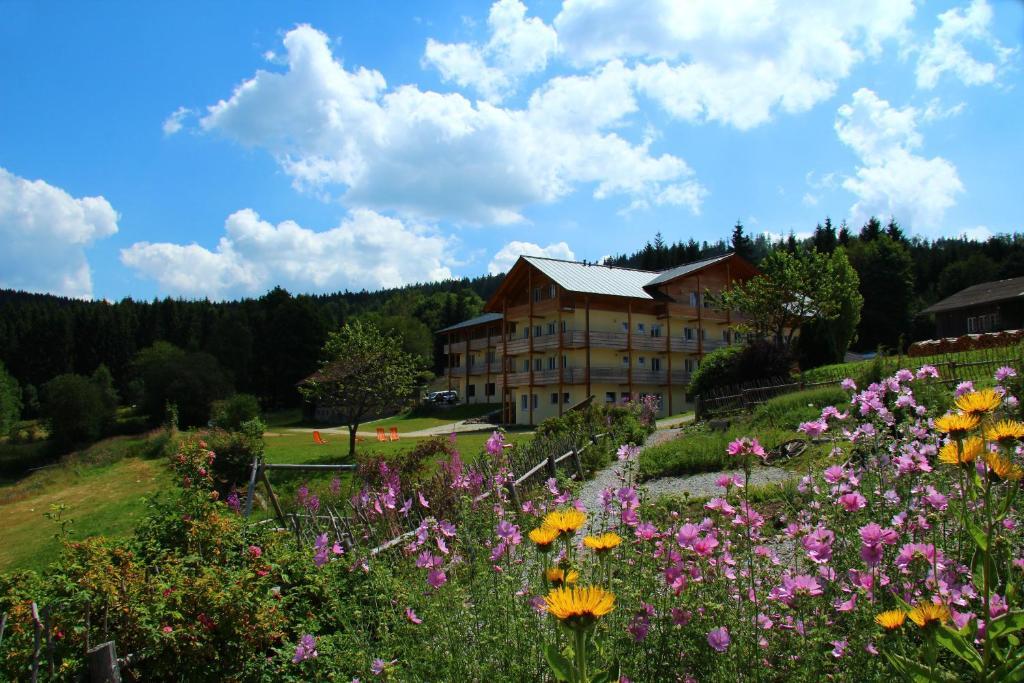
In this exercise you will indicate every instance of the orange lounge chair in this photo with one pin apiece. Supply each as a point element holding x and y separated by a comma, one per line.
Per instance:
<point>381,434</point>
<point>317,439</point>
<point>394,433</point>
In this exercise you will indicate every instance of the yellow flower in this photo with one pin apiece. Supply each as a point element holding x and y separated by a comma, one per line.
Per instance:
<point>951,454</point>
<point>1003,467</point>
<point>978,402</point>
<point>1005,430</point>
<point>557,576</point>
<point>955,424</point>
<point>565,521</point>
<point>927,612</point>
<point>602,543</point>
<point>892,619</point>
<point>543,536</point>
<point>579,607</point>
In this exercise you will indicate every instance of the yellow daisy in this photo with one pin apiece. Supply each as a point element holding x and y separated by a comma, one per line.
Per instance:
<point>603,543</point>
<point>978,402</point>
<point>543,536</point>
<point>1005,431</point>
<point>956,425</point>
<point>557,576</point>
<point>951,454</point>
<point>565,521</point>
<point>927,612</point>
<point>892,619</point>
<point>579,607</point>
<point>1003,467</point>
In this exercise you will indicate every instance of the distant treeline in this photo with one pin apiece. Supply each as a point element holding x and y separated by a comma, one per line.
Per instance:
<point>266,345</point>
<point>898,276</point>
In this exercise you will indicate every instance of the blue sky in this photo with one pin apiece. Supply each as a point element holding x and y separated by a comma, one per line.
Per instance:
<point>219,149</point>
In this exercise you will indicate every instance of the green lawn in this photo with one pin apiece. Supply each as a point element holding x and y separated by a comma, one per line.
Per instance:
<point>890,364</point>
<point>102,488</point>
<point>423,417</point>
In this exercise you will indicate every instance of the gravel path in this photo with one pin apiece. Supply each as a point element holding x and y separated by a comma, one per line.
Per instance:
<point>697,485</point>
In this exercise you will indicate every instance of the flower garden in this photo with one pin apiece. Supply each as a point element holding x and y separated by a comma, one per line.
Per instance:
<point>899,556</point>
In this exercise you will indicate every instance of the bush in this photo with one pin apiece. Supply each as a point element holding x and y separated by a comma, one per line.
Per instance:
<point>10,401</point>
<point>235,452</point>
<point>190,381</point>
<point>231,412</point>
<point>76,410</point>
<point>731,365</point>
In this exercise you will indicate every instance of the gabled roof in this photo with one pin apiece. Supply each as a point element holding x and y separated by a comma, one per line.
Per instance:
<point>472,322</point>
<point>984,293</point>
<point>687,268</point>
<point>575,276</point>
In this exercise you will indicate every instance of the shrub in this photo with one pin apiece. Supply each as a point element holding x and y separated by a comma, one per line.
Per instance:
<point>731,365</point>
<point>190,381</point>
<point>231,412</point>
<point>75,409</point>
<point>235,452</point>
<point>10,401</point>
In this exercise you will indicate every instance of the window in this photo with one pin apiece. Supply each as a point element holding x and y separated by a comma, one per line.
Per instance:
<point>565,361</point>
<point>655,364</point>
<point>526,332</point>
<point>470,390</point>
<point>725,336</point>
<point>707,301</point>
<point>537,330</point>
<point>489,389</point>
<point>538,363</point>
<point>551,328</point>
<point>491,356</point>
<point>536,293</point>
<point>609,397</point>
<point>534,401</point>
<point>972,324</point>
<point>625,361</point>
<point>565,398</point>
<point>693,299</point>
<point>641,328</point>
<point>626,398</point>
<point>565,325</point>
<point>526,365</point>
<point>552,291</point>
<point>688,333</point>
<point>689,365</point>
<point>471,360</point>
<point>655,330</point>
<point>625,326</point>
<point>641,361</point>
<point>552,361</point>
<point>554,399</point>
<point>525,401</point>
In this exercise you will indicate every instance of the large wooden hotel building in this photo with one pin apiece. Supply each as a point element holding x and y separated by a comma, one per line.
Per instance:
<point>557,333</point>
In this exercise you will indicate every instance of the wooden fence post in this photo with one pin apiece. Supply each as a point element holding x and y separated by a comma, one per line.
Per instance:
<point>513,494</point>
<point>579,465</point>
<point>103,666</point>
<point>551,464</point>
<point>251,491</point>
<point>38,643</point>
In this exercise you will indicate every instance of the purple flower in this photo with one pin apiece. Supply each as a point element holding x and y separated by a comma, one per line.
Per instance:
<point>848,384</point>
<point>509,532</point>
<point>423,501</point>
<point>411,616</point>
<point>813,429</point>
<point>1004,372</point>
<point>495,443</point>
<point>233,501</point>
<point>627,452</point>
<point>719,639</point>
<point>794,587</point>
<point>927,371</point>
<point>306,649</point>
<point>839,648</point>
<point>746,446</point>
<point>335,486</point>
<point>436,578</point>
<point>963,388</point>
<point>313,504</point>
<point>379,666</point>
<point>852,502</point>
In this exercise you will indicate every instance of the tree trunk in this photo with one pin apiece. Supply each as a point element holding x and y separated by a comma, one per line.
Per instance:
<point>352,429</point>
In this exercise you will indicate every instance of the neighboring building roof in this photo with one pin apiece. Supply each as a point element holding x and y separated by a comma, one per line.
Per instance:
<point>687,268</point>
<point>985,293</point>
<point>479,320</point>
<point>575,276</point>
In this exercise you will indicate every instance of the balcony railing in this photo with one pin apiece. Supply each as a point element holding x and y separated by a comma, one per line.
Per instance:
<point>598,375</point>
<point>619,341</point>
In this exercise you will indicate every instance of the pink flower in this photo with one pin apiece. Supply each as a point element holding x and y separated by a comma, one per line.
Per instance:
<point>839,648</point>
<point>719,639</point>
<point>818,545</point>
<point>852,502</point>
<point>848,384</point>
<point>494,443</point>
<point>255,551</point>
<point>746,446</point>
<point>411,616</point>
<point>168,629</point>
<point>1004,372</point>
<point>423,501</point>
<point>436,578</point>
<point>705,546</point>
<point>306,649</point>
<point>834,474</point>
<point>687,534</point>
<point>927,371</point>
<point>627,452</point>
<point>646,531</point>
<point>963,388</point>
<point>813,429</point>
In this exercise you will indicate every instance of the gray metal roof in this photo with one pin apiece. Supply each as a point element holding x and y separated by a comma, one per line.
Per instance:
<point>479,320</point>
<point>986,292</point>
<point>687,268</point>
<point>594,279</point>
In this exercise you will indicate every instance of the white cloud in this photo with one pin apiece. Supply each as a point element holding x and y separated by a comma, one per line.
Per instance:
<point>809,199</point>
<point>365,250</point>
<point>507,255</point>
<point>947,53</point>
<point>892,180</point>
<point>175,122</point>
<point>935,111</point>
<point>732,62</point>
<point>434,155</point>
<point>979,233</point>
<point>45,232</point>
<point>517,47</point>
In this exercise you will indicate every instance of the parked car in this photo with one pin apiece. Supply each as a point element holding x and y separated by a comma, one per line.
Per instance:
<point>444,397</point>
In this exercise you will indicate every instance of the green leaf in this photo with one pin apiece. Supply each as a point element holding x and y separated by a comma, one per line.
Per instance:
<point>609,675</point>
<point>978,535</point>
<point>560,666</point>
<point>958,645</point>
<point>1011,622</point>
<point>918,672</point>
